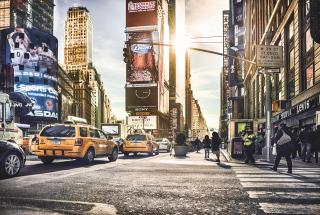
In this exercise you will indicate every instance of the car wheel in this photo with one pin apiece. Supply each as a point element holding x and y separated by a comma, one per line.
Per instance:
<point>114,155</point>
<point>89,156</point>
<point>46,160</point>
<point>157,151</point>
<point>11,165</point>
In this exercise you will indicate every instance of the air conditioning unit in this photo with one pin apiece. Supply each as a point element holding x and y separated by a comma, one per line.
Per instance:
<point>279,105</point>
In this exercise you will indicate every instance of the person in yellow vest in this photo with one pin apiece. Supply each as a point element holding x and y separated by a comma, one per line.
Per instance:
<point>248,142</point>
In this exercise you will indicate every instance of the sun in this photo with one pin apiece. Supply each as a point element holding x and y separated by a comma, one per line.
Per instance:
<point>181,43</point>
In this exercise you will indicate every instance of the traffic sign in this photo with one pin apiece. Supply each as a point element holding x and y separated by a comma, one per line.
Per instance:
<point>269,56</point>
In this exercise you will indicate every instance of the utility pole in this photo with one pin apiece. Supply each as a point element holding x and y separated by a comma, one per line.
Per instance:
<point>268,102</point>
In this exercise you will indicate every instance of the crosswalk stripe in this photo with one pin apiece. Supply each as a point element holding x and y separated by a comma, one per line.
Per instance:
<point>284,195</point>
<point>284,208</point>
<point>279,192</point>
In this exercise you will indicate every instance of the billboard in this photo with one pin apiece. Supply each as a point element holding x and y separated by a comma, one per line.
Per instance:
<point>32,54</point>
<point>141,98</point>
<point>144,61</point>
<point>238,12</point>
<point>110,129</point>
<point>143,122</point>
<point>141,15</point>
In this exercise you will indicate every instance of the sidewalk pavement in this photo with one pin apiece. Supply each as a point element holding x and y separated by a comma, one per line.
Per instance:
<point>297,162</point>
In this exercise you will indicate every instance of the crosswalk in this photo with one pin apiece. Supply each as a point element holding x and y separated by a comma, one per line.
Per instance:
<point>279,192</point>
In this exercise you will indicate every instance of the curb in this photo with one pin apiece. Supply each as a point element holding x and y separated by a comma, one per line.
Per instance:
<point>226,155</point>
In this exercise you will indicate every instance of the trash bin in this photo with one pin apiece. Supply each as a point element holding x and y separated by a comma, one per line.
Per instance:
<point>237,147</point>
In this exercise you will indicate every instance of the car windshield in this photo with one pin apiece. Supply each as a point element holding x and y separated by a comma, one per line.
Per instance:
<point>58,131</point>
<point>136,137</point>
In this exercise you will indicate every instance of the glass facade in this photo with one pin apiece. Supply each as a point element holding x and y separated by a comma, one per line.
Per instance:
<point>27,14</point>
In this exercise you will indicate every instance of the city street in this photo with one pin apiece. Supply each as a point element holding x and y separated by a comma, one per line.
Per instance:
<point>160,185</point>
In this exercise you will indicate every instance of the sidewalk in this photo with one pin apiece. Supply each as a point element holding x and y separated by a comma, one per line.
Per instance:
<point>297,162</point>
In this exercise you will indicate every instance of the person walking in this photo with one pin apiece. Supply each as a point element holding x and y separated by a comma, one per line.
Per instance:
<point>248,142</point>
<point>296,146</point>
<point>215,145</point>
<point>197,144</point>
<point>283,145</point>
<point>305,144</point>
<point>315,142</point>
<point>207,145</point>
<point>259,142</point>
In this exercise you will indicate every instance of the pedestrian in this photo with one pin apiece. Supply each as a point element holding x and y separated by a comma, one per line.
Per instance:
<point>305,144</point>
<point>259,142</point>
<point>197,144</point>
<point>248,142</point>
<point>315,142</point>
<point>296,145</point>
<point>215,145</point>
<point>283,145</point>
<point>207,145</point>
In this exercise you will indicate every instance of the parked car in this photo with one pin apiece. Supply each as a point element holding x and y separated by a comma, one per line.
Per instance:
<point>12,158</point>
<point>73,140</point>
<point>140,143</point>
<point>164,144</point>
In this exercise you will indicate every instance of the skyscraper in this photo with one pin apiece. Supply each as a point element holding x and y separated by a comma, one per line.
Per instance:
<point>78,56</point>
<point>27,14</point>
<point>78,39</point>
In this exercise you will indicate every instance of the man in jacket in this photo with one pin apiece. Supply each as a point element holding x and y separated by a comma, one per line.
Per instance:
<point>248,143</point>
<point>305,144</point>
<point>315,142</point>
<point>283,143</point>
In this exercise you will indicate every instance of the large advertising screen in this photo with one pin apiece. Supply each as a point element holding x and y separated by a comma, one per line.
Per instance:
<point>144,62</point>
<point>141,98</point>
<point>32,54</point>
<point>141,14</point>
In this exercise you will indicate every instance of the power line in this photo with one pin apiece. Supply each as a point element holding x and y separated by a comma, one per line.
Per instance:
<point>206,42</point>
<point>203,37</point>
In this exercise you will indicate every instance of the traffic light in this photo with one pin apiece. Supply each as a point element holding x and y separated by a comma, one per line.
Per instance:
<point>315,20</point>
<point>126,54</point>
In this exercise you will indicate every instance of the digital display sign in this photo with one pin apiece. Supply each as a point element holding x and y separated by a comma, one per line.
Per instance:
<point>32,54</point>
<point>142,98</point>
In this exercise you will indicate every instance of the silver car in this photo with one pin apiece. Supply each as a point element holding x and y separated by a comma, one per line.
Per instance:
<point>164,144</point>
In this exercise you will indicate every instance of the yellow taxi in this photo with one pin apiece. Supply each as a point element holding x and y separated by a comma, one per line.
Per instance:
<point>140,142</point>
<point>73,140</point>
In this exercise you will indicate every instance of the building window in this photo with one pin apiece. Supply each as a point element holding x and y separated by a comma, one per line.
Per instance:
<point>307,75</point>
<point>290,56</point>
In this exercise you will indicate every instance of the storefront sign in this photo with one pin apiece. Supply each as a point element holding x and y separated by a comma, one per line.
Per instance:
<point>143,122</point>
<point>304,106</point>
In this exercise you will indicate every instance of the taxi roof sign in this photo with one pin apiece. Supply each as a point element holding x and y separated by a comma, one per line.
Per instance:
<point>75,120</point>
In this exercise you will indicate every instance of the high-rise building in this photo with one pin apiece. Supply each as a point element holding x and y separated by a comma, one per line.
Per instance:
<point>178,62</point>
<point>78,57</point>
<point>295,90</point>
<point>78,39</point>
<point>27,14</point>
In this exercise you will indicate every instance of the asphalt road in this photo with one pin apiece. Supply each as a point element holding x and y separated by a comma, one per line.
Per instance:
<point>136,185</point>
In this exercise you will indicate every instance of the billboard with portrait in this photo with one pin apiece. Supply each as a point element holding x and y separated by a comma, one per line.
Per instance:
<point>144,61</point>
<point>141,98</point>
<point>32,54</point>
<point>141,14</point>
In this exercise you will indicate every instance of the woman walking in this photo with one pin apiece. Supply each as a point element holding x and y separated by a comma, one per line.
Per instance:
<point>207,145</point>
<point>216,143</point>
<point>283,143</point>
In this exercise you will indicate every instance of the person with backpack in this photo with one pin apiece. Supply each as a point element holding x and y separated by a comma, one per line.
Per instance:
<point>283,145</point>
<point>206,145</point>
<point>215,145</point>
<point>197,144</point>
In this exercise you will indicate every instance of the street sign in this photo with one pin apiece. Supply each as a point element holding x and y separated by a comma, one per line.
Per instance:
<point>269,56</point>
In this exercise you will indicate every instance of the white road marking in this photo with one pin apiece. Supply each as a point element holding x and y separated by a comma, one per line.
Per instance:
<point>285,208</point>
<point>260,179</point>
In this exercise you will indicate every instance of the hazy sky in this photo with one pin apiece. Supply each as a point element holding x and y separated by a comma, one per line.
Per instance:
<point>204,18</point>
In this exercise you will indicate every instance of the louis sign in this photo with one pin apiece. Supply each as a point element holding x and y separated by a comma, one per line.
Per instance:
<point>269,56</point>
